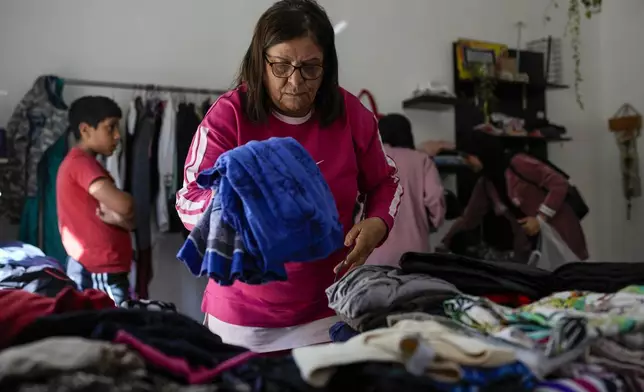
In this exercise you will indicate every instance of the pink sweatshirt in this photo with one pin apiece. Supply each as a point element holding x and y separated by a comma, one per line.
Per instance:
<point>422,203</point>
<point>351,158</point>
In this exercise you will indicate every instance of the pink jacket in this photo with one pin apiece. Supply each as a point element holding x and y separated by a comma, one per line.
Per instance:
<point>352,160</point>
<point>531,199</point>
<point>422,204</point>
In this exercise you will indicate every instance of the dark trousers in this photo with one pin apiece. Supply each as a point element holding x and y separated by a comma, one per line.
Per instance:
<point>116,285</point>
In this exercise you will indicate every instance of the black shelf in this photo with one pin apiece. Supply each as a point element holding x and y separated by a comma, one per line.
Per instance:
<point>536,86</point>
<point>430,102</point>
<point>554,86</point>
<point>535,138</point>
<point>513,98</point>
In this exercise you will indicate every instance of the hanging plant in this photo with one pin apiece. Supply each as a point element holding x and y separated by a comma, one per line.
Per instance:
<point>573,30</point>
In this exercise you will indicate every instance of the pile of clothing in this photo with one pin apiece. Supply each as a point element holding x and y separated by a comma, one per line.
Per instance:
<point>25,267</point>
<point>55,337</point>
<point>450,323</point>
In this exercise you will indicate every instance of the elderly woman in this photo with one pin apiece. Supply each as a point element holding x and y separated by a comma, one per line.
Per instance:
<point>288,86</point>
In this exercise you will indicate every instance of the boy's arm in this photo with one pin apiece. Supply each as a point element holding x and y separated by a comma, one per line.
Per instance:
<point>90,175</point>
<point>110,217</point>
<point>104,190</point>
<point>113,201</point>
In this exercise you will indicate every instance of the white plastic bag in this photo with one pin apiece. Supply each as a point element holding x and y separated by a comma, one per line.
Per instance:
<point>552,252</point>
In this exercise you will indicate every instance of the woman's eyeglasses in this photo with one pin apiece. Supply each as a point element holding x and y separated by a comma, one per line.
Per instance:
<point>285,70</point>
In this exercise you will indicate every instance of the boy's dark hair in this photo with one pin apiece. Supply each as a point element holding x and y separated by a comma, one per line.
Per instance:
<point>283,21</point>
<point>395,130</point>
<point>91,110</point>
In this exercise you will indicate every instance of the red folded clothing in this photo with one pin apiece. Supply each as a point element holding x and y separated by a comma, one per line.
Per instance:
<point>20,308</point>
<point>512,300</point>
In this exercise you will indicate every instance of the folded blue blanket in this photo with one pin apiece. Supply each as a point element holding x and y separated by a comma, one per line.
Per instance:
<point>271,206</point>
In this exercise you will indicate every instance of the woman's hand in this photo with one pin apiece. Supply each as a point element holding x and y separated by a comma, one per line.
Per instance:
<point>363,237</point>
<point>530,225</point>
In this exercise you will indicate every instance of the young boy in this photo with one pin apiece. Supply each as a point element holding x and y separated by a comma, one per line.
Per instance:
<point>94,216</point>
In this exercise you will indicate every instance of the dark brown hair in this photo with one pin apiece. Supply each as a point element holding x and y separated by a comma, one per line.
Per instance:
<point>283,21</point>
<point>395,130</point>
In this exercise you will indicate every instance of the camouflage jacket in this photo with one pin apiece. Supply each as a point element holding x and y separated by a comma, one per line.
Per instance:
<point>35,125</point>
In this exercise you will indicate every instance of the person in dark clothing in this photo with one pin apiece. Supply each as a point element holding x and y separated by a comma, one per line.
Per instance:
<point>520,188</point>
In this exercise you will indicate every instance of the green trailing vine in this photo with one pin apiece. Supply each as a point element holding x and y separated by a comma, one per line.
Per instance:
<point>573,30</point>
<point>485,84</point>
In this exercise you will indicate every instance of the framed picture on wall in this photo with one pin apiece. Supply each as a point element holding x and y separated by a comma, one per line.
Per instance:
<point>469,52</point>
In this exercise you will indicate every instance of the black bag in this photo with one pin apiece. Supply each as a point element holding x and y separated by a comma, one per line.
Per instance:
<point>573,197</point>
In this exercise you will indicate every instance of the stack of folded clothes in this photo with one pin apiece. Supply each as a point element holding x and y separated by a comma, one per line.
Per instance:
<point>271,206</point>
<point>366,296</point>
<point>606,277</point>
<point>480,277</point>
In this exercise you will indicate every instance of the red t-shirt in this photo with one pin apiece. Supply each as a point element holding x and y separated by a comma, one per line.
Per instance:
<point>99,247</point>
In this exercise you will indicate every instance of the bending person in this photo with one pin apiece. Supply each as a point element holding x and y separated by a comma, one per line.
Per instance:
<point>520,188</point>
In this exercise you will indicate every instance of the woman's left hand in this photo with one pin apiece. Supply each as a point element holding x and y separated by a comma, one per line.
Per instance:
<point>530,225</point>
<point>364,237</point>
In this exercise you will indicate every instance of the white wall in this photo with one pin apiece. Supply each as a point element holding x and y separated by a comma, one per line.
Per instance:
<point>620,82</point>
<point>389,46</point>
<point>610,68</point>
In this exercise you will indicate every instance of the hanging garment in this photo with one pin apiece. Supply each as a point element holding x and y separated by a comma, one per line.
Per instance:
<point>134,117</point>
<point>187,124</point>
<point>115,163</point>
<point>39,222</point>
<point>166,165</point>
<point>205,106</point>
<point>156,110</point>
<point>36,124</point>
<point>127,158</point>
<point>139,169</point>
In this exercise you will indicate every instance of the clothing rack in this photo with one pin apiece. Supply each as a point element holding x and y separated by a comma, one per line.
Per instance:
<point>146,87</point>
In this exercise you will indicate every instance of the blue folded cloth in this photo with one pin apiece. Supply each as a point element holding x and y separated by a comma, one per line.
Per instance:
<point>511,377</point>
<point>271,205</point>
<point>341,332</point>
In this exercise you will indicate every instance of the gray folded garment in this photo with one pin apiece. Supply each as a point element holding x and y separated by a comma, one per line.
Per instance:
<point>365,296</point>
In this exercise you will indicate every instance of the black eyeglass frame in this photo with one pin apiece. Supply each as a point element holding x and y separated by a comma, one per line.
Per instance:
<point>293,69</point>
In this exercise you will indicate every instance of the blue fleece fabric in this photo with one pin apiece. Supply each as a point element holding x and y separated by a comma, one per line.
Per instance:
<point>272,205</point>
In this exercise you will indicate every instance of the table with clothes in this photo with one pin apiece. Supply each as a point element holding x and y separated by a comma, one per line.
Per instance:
<point>440,322</point>
<point>574,340</point>
<point>506,326</point>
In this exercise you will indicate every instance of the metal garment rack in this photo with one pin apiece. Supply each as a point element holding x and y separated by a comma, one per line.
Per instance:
<point>146,87</point>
